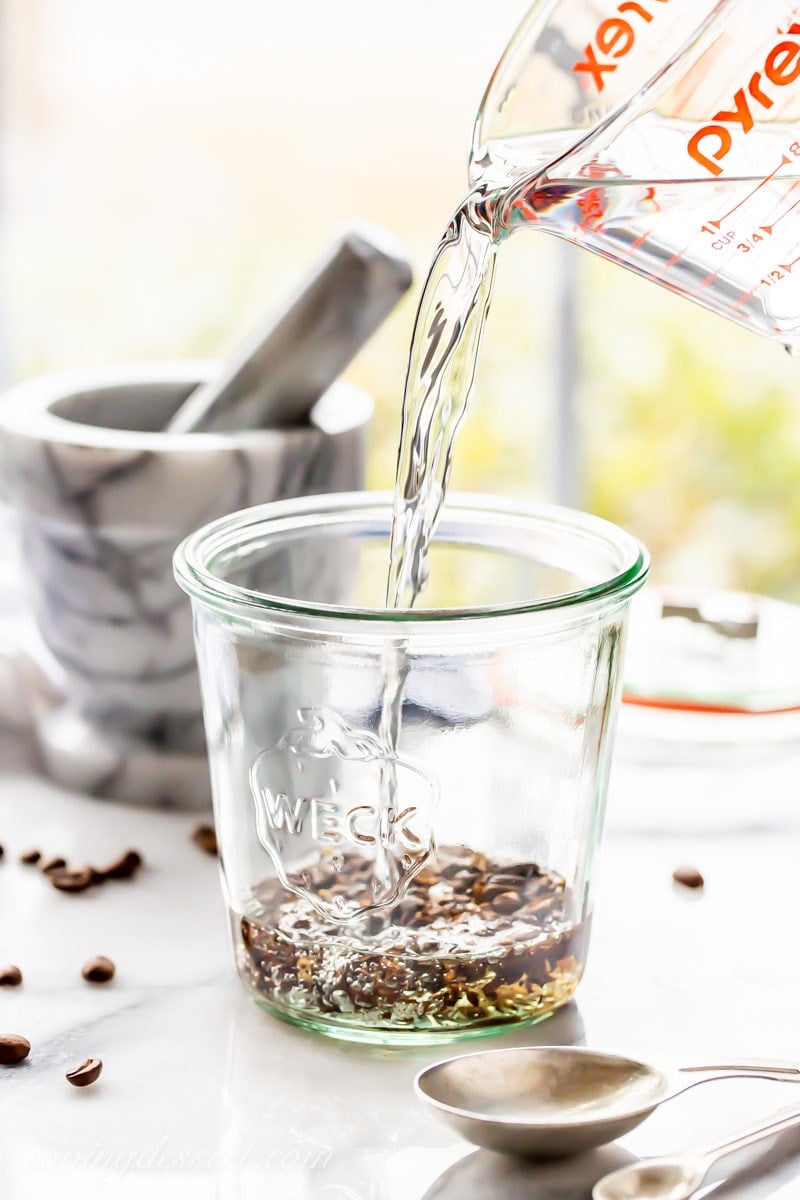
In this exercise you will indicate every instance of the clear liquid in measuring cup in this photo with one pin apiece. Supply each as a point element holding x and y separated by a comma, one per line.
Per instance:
<point>730,243</point>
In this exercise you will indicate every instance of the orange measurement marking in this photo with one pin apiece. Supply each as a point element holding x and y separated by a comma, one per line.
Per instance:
<point>740,303</point>
<point>692,706</point>
<point>778,216</point>
<point>788,213</point>
<point>709,279</point>
<point>591,205</point>
<point>721,221</point>
<point>676,258</point>
<point>649,198</point>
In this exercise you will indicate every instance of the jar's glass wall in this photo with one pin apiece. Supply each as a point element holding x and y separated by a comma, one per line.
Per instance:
<point>442,886</point>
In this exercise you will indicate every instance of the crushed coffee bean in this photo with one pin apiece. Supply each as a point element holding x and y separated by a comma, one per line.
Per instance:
<point>54,863</point>
<point>444,957</point>
<point>13,1049</point>
<point>10,976</point>
<point>688,877</point>
<point>123,867</point>
<point>205,838</point>
<point>98,970</point>
<point>85,1073</point>
<point>30,857</point>
<point>507,902</point>
<point>76,880</point>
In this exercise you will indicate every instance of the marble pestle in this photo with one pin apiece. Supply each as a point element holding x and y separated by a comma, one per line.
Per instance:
<point>274,379</point>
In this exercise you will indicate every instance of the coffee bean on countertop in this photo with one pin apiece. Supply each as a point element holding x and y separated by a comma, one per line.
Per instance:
<point>689,877</point>
<point>13,1048</point>
<point>123,867</point>
<point>85,1073</point>
<point>98,970</point>
<point>205,839</point>
<point>54,863</point>
<point>77,880</point>
<point>30,857</point>
<point>10,976</point>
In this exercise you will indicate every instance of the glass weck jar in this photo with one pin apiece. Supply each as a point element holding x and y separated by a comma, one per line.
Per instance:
<point>408,803</point>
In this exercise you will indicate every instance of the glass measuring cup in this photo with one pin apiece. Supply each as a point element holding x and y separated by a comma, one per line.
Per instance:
<point>512,673</point>
<point>663,135</point>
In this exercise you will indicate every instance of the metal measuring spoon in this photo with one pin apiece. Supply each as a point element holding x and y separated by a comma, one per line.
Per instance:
<point>680,1176</point>
<point>551,1101</point>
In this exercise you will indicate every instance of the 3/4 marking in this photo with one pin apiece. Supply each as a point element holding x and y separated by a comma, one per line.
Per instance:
<point>749,244</point>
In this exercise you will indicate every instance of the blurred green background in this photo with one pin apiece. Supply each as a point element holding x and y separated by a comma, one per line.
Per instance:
<point>171,168</point>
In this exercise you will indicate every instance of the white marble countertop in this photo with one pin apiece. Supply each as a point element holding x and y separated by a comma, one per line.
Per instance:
<point>203,1095</point>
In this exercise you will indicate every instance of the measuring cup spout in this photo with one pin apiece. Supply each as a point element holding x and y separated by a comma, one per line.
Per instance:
<point>665,138</point>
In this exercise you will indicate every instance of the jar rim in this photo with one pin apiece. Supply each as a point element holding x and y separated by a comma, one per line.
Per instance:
<point>279,518</point>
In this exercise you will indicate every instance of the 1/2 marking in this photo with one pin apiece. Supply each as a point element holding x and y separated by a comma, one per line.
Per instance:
<point>782,271</point>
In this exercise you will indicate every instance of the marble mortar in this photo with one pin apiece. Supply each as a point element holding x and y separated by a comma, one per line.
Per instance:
<point>101,500</point>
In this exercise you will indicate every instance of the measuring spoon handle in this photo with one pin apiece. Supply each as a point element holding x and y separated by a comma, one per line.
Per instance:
<point>781,1072</point>
<point>780,1122</point>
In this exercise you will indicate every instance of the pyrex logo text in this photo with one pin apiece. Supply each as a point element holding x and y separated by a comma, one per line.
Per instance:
<point>613,38</point>
<point>710,145</point>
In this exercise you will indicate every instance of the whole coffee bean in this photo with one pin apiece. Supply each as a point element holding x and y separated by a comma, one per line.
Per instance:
<point>10,976</point>
<point>77,880</point>
<point>507,902</point>
<point>13,1048</point>
<point>124,866</point>
<point>205,839</point>
<point>48,865</point>
<point>2,851</point>
<point>688,877</point>
<point>30,857</point>
<point>98,970</point>
<point>85,1073</point>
